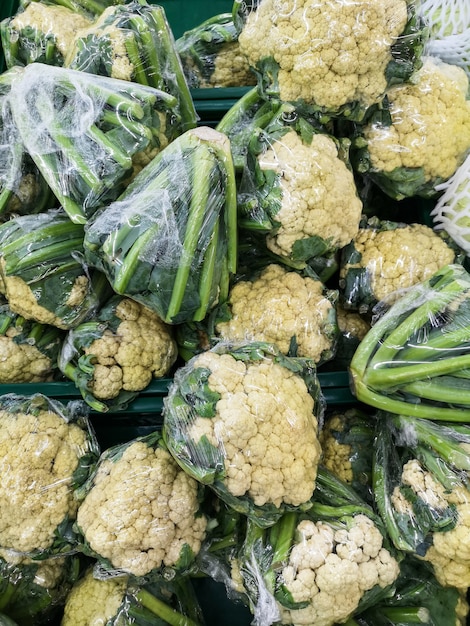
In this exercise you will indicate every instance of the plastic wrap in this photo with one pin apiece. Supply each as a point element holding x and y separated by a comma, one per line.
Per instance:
<point>28,349</point>
<point>404,145</point>
<point>335,58</point>
<point>117,354</point>
<point>43,274</point>
<point>134,42</point>
<point>421,487</point>
<point>243,419</point>
<point>169,241</point>
<point>414,360</point>
<point>298,188</point>
<point>211,56</point>
<point>118,601</point>
<point>86,132</point>
<point>385,258</point>
<point>295,571</point>
<point>139,512</point>
<point>48,450</point>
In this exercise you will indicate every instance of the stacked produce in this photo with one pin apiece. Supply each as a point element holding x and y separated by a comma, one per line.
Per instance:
<point>320,225</point>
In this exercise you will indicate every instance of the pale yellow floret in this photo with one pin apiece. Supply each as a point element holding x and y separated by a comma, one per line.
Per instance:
<point>78,293</point>
<point>38,455</point>
<point>278,306</point>
<point>351,324</point>
<point>425,114</point>
<point>141,511</point>
<point>330,53</point>
<point>399,258</point>
<point>319,195</point>
<point>266,428</point>
<point>57,21</point>
<point>336,456</point>
<point>231,68</point>
<point>22,301</point>
<point>142,348</point>
<point>22,362</point>
<point>94,601</point>
<point>333,568</point>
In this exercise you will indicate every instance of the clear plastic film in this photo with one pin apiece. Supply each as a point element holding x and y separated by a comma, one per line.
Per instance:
<point>404,146</point>
<point>421,486</point>
<point>335,58</point>
<point>43,274</point>
<point>48,450</point>
<point>414,359</point>
<point>169,241</point>
<point>243,419</point>
<point>298,188</point>
<point>117,354</point>
<point>211,56</point>
<point>385,258</point>
<point>139,512</point>
<point>85,132</point>
<point>134,42</point>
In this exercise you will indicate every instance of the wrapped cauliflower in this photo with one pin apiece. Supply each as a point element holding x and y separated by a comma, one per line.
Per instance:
<point>47,450</point>
<point>139,512</point>
<point>243,419</point>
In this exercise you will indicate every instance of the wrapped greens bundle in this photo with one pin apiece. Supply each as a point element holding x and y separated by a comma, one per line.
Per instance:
<point>385,258</point>
<point>134,42</point>
<point>298,189</point>
<point>47,452</point>
<point>169,241</point>
<point>295,571</point>
<point>84,132</point>
<point>422,492</point>
<point>120,601</point>
<point>243,420</point>
<point>300,58</point>
<point>211,56</point>
<point>117,354</point>
<point>414,360</point>
<point>34,592</point>
<point>43,275</point>
<point>140,513</point>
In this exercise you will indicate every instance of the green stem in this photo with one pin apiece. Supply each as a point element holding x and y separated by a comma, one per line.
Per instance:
<point>406,615</point>
<point>136,129</point>
<point>440,389</point>
<point>59,228</point>
<point>207,275</point>
<point>132,49</point>
<point>100,138</point>
<point>132,259</point>
<point>47,254</point>
<point>162,610</point>
<point>149,57</point>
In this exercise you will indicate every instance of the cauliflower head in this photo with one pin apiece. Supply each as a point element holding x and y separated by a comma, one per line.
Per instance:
<point>93,600</point>
<point>398,258</point>
<point>141,348</point>
<point>231,68</point>
<point>332,568</point>
<point>425,114</point>
<point>280,305</point>
<point>328,53</point>
<point>39,453</point>
<point>336,456</point>
<point>319,195</point>
<point>23,362</point>
<point>264,426</point>
<point>141,510</point>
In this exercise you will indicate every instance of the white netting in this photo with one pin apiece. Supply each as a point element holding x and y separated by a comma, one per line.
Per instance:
<point>454,49</point>
<point>452,210</point>
<point>446,17</point>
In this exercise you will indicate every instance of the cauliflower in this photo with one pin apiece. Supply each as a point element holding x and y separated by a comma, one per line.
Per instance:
<point>247,425</point>
<point>140,511</point>
<point>117,354</point>
<point>328,54</point>
<point>45,450</point>
<point>385,258</point>
<point>313,199</point>
<point>281,306</point>
<point>410,153</point>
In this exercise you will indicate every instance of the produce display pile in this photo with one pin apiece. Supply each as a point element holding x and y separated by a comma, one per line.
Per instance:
<point>321,225</point>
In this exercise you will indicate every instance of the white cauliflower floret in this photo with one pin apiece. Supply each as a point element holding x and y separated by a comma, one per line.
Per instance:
<point>266,428</point>
<point>333,568</point>
<point>22,362</point>
<point>329,53</point>
<point>278,306</point>
<point>319,195</point>
<point>38,456</point>
<point>141,510</point>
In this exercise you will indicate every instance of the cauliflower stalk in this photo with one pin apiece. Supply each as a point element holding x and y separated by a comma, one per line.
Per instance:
<point>336,57</point>
<point>117,354</point>
<point>139,511</point>
<point>46,451</point>
<point>243,419</point>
